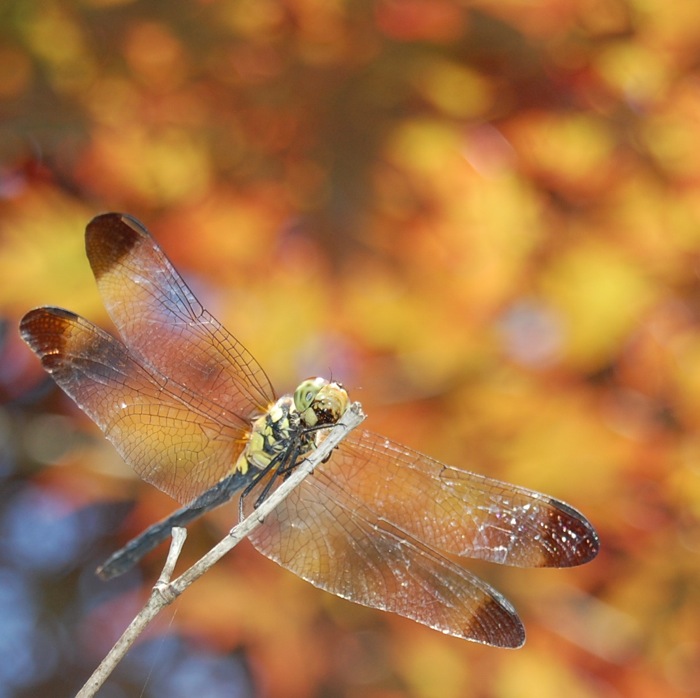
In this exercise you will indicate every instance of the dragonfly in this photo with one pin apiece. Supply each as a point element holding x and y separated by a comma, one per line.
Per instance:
<point>193,413</point>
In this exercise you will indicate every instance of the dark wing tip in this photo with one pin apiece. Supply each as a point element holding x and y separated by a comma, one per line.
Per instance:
<point>497,623</point>
<point>38,320</point>
<point>573,540</point>
<point>110,237</point>
<point>46,330</point>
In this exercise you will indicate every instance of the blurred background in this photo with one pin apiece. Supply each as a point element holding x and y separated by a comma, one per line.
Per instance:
<point>482,216</point>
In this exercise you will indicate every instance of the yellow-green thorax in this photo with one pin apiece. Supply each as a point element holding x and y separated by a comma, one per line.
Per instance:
<point>316,403</point>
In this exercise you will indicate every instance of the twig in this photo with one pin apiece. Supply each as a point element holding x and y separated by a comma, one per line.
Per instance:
<point>165,592</point>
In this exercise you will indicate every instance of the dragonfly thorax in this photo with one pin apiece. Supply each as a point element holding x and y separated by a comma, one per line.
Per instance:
<point>294,421</point>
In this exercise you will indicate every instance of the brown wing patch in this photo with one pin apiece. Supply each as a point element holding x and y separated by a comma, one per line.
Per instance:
<point>171,438</point>
<point>109,238</point>
<point>457,511</point>
<point>334,542</point>
<point>165,326</point>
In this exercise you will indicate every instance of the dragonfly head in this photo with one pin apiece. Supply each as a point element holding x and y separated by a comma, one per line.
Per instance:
<point>320,402</point>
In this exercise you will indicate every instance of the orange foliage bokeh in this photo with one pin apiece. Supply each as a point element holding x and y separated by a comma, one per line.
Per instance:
<point>484,218</point>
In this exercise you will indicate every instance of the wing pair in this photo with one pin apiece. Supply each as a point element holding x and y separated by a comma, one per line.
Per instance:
<point>378,524</point>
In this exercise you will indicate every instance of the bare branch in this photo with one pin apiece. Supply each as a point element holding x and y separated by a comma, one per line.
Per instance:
<point>165,592</point>
<point>179,536</point>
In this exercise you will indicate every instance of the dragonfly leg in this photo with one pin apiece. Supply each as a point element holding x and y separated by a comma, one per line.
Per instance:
<point>284,464</point>
<point>281,466</point>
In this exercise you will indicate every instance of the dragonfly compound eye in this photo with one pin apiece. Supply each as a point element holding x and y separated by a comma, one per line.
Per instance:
<point>306,393</point>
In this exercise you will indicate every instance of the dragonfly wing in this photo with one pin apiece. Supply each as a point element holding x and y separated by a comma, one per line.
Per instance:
<point>457,511</point>
<point>168,435</point>
<point>335,543</point>
<point>164,324</point>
